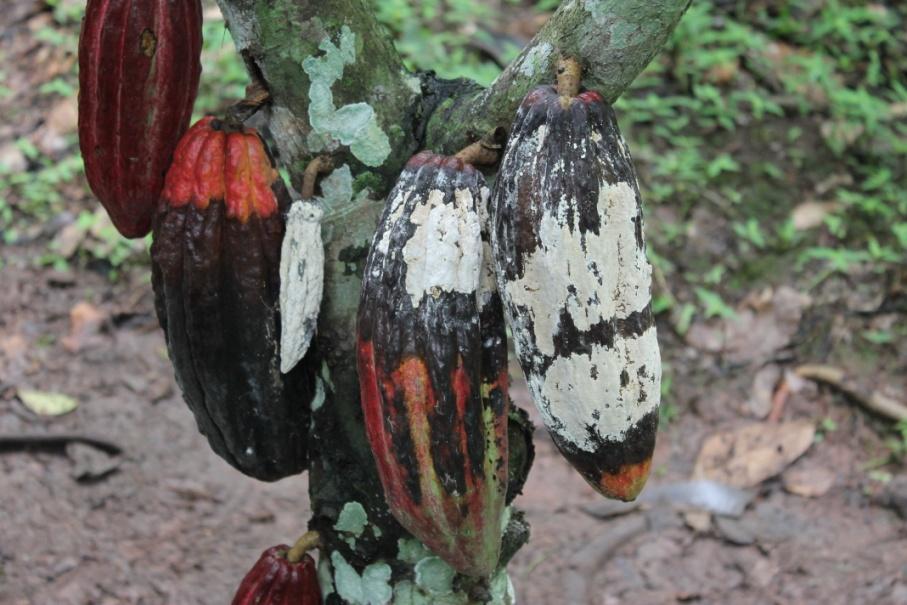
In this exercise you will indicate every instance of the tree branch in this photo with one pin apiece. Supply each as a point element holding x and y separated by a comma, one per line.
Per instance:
<point>337,83</point>
<point>613,39</point>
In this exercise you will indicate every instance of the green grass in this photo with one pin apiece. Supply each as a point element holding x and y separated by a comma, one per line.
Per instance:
<point>711,87</point>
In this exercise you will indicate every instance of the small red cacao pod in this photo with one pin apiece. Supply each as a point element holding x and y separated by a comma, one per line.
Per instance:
<point>215,272</point>
<point>433,363</point>
<point>139,65</point>
<point>573,273</point>
<point>275,581</point>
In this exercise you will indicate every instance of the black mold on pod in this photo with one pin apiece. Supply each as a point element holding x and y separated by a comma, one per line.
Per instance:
<point>215,272</point>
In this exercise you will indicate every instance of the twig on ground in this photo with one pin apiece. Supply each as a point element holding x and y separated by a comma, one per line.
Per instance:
<point>874,401</point>
<point>779,398</point>
<point>9,443</point>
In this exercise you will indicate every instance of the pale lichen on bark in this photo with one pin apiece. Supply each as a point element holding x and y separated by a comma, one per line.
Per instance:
<point>322,58</point>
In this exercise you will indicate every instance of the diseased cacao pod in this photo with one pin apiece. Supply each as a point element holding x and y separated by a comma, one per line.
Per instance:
<point>138,76</point>
<point>433,364</point>
<point>275,581</point>
<point>572,269</point>
<point>215,272</point>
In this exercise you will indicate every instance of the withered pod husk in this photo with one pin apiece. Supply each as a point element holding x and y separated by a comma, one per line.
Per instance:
<point>433,363</point>
<point>139,67</point>
<point>215,272</point>
<point>572,270</point>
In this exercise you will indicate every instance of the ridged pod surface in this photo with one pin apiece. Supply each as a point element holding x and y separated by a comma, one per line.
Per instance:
<point>572,269</point>
<point>275,581</point>
<point>433,363</point>
<point>215,272</point>
<point>139,65</point>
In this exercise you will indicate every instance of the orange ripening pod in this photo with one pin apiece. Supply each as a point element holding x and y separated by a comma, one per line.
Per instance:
<point>274,580</point>
<point>573,273</point>
<point>433,363</point>
<point>139,65</point>
<point>215,271</point>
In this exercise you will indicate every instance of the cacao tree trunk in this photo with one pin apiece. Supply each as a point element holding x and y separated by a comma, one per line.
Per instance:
<point>337,85</point>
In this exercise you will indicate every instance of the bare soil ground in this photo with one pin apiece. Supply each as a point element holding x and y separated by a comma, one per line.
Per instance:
<point>165,521</point>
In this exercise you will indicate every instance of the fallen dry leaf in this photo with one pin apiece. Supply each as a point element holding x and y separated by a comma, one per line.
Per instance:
<point>811,214</point>
<point>68,239</point>
<point>706,336</point>
<point>699,521</point>
<point>85,321</point>
<point>723,73</point>
<point>808,482</point>
<point>759,300</point>
<point>12,159</point>
<point>756,335</point>
<point>13,360</point>
<point>832,182</point>
<point>60,121</point>
<point>747,456</point>
<point>13,346</point>
<point>44,403</point>
<point>759,403</point>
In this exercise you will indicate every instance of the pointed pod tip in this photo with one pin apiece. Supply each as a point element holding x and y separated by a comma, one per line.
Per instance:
<point>626,484</point>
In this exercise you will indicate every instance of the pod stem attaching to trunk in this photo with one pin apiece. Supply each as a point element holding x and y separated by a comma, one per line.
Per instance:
<point>318,166</point>
<point>306,542</point>
<point>569,76</point>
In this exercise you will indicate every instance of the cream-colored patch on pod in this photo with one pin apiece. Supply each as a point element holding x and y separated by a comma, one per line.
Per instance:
<point>488,280</point>
<point>582,391</point>
<point>396,204</point>
<point>444,253</point>
<point>608,272</point>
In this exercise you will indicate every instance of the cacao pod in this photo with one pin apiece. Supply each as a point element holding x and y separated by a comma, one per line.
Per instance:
<point>274,580</point>
<point>572,269</point>
<point>139,65</point>
<point>215,271</point>
<point>433,364</point>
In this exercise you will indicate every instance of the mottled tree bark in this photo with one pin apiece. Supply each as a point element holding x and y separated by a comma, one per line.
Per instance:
<point>338,86</point>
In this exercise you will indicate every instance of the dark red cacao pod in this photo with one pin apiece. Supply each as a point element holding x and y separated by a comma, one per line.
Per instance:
<point>433,363</point>
<point>138,76</point>
<point>572,270</point>
<point>215,272</point>
<point>275,581</point>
